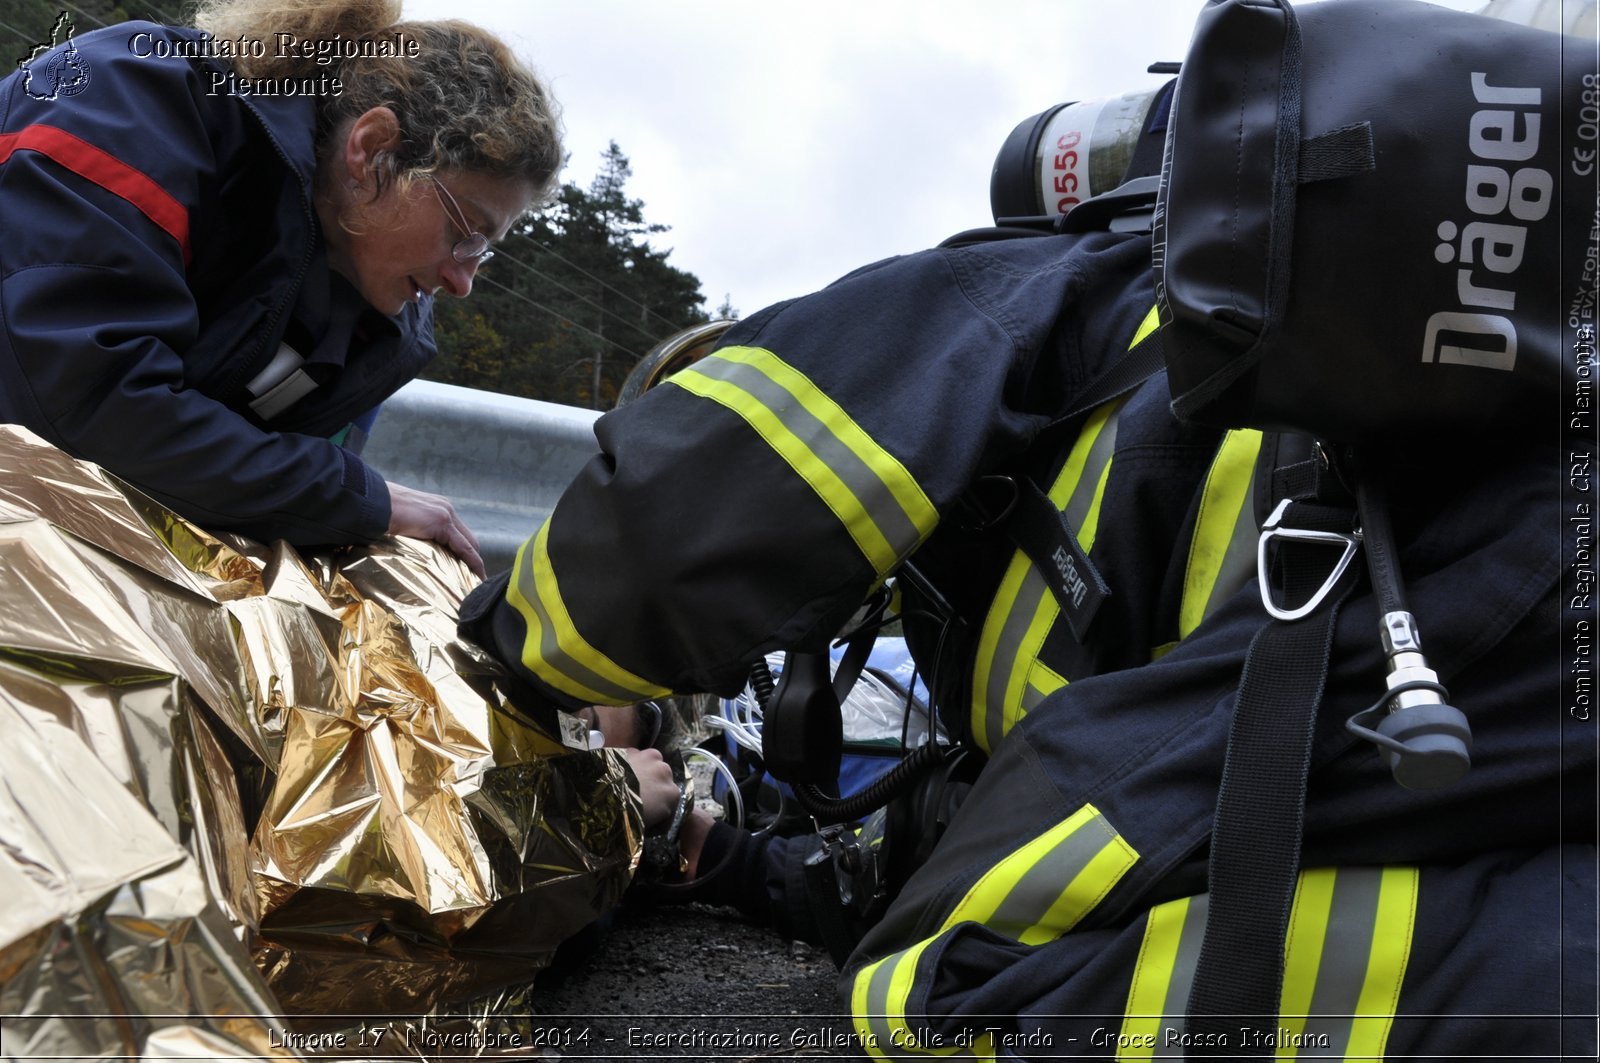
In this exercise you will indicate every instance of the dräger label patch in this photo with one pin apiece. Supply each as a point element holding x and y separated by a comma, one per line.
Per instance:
<point>1488,253</point>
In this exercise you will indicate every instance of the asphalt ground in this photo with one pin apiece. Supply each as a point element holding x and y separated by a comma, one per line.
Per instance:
<point>693,982</point>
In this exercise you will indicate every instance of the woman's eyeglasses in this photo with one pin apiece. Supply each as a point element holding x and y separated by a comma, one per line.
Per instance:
<point>473,246</point>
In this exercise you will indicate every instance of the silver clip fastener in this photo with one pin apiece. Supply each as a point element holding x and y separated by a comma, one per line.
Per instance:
<point>1272,530</point>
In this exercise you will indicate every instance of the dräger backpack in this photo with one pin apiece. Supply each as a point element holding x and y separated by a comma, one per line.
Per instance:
<point>1375,221</point>
<point>1375,225</point>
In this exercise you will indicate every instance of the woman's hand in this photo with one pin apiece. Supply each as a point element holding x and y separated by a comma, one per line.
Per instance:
<point>657,789</point>
<point>432,517</point>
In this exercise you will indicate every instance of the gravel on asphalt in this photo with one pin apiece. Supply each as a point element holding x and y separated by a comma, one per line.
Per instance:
<point>698,983</point>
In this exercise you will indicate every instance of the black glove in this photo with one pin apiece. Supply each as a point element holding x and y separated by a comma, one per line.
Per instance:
<point>477,611</point>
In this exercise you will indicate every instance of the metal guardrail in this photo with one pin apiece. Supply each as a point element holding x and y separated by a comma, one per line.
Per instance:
<point>502,460</point>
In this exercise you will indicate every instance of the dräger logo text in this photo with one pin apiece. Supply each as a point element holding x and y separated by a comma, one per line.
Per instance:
<point>1488,251</point>
<point>1069,575</point>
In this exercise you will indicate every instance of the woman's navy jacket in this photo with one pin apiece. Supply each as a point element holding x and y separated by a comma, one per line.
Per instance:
<point>159,247</point>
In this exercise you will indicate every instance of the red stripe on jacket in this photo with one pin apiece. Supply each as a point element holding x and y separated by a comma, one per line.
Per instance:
<point>107,171</point>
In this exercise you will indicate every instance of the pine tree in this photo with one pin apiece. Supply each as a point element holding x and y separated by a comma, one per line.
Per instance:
<point>577,296</point>
<point>25,24</point>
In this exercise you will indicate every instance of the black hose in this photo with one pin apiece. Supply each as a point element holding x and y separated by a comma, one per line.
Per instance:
<point>858,806</point>
<point>761,682</point>
<point>1372,502</point>
<point>880,792</point>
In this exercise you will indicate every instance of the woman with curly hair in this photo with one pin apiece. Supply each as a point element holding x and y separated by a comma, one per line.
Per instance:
<point>222,246</point>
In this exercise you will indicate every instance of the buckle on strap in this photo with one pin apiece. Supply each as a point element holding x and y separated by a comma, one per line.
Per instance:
<point>1274,530</point>
<point>281,384</point>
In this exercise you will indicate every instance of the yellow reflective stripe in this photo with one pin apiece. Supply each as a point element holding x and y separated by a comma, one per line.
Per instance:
<point>1091,519</point>
<point>1066,486</point>
<point>878,1006</point>
<point>1142,1023</point>
<point>1014,629</point>
<point>1151,322</point>
<point>1036,894</point>
<point>1386,963</point>
<point>988,658</point>
<point>1042,682</point>
<point>1308,929</point>
<point>871,492</point>
<point>1045,611</point>
<point>861,1011</point>
<point>1086,890</point>
<point>1346,969</point>
<point>1043,889</point>
<point>553,649</point>
<point>903,501</point>
<point>1023,611</point>
<point>1345,957</point>
<point>1227,513</point>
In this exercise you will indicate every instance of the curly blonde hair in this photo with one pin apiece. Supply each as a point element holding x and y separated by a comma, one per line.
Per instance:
<point>464,101</point>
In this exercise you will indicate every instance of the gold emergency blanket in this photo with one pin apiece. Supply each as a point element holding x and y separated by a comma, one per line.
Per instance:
<point>243,783</point>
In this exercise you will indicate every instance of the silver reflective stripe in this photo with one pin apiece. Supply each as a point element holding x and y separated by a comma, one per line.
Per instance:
<point>1019,617</point>
<point>1035,894</point>
<point>871,493</point>
<point>878,1004</point>
<point>1189,942</point>
<point>1029,615</point>
<point>553,648</point>
<point>878,1021</point>
<point>281,384</point>
<point>1345,957</point>
<point>1033,693</point>
<point>1239,563</point>
<point>1042,890</point>
<point>1076,511</point>
<point>1352,922</point>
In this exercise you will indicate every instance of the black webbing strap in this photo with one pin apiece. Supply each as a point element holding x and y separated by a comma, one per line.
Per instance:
<point>1344,152</point>
<point>851,662</point>
<point>1255,842</point>
<point>1143,361</point>
<point>1039,529</point>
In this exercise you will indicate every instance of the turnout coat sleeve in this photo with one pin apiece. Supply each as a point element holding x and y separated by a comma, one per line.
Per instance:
<point>753,500</point>
<point>110,199</point>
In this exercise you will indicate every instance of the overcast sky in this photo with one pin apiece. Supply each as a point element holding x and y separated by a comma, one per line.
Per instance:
<point>786,144</point>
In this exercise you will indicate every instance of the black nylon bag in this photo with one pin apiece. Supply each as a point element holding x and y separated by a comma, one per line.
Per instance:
<point>1374,221</point>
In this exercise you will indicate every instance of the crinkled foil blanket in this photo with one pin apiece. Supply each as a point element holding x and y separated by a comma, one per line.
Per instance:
<point>253,796</point>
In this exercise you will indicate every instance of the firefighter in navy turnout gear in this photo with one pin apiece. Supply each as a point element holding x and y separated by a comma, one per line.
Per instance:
<point>834,437</point>
<point>1085,898</point>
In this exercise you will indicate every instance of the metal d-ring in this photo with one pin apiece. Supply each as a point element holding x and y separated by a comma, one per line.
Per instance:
<point>1270,531</point>
<point>975,507</point>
